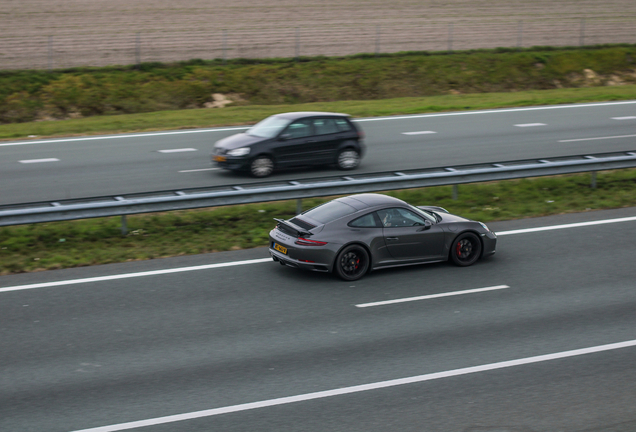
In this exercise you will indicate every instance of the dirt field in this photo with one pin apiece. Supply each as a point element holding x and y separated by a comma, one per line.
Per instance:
<point>64,33</point>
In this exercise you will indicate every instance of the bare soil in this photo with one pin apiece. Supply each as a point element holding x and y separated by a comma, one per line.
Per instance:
<point>40,34</point>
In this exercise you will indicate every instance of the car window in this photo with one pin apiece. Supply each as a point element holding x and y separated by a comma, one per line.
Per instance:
<point>329,211</point>
<point>366,221</point>
<point>343,125</point>
<point>299,129</point>
<point>324,126</point>
<point>269,127</point>
<point>399,217</point>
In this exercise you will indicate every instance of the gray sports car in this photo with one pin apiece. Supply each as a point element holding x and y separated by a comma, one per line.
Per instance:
<point>353,235</point>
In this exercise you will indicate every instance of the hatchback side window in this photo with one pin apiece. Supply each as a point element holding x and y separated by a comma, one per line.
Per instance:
<point>366,221</point>
<point>399,217</point>
<point>325,126</point>
<point>299,129</point>
<point>343,125</point>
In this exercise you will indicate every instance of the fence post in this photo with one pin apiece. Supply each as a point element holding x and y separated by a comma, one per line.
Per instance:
<point>50,56</point>
<point>224,46</point>
<point>138,50</point>
<point>299,206</point>
<point>450,37</point>
<point>582,35</point>
<point>455,192</point>
<point>593,185</point>
<point>124,225</point>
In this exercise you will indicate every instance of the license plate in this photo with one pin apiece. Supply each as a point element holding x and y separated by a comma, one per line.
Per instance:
<point>280,248</point>
<point>220,158</point>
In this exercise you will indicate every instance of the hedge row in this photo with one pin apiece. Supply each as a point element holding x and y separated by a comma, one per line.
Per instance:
<point>33,95</point>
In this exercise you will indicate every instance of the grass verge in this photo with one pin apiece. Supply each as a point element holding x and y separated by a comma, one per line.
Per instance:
<point>99,241</point>
<point>196,118</point>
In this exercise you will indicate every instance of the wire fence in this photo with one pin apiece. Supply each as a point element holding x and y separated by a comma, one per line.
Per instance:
<point>60,51</point>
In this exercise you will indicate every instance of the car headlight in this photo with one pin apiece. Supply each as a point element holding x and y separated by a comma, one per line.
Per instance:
<point>484,225</point>
<point>243,151</point>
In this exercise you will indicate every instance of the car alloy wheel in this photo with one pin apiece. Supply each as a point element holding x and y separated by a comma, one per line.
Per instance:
<point>262,166</point>
<point>352,263</point>
<point>348,159</point>
<point>466,249</point>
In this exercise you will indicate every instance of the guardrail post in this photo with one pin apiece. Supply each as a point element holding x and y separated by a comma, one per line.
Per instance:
<point>593,185</point>
<point>124,225</point>
<point>455,192</point>
<point>299,206</point>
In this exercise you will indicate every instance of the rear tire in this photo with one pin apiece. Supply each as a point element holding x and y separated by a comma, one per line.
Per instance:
<point>262,166</point>
<point>352,263</point>
<point>466,249</point>
<point>348,159</point>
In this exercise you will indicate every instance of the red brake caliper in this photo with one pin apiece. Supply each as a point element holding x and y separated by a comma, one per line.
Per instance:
<point>459,248</point>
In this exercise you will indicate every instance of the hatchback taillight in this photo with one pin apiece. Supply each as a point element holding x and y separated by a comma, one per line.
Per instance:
<point>306,242</point>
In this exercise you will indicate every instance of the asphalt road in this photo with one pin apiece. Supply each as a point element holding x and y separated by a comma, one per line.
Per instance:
<point>120,349</point>
<point>49,170</point>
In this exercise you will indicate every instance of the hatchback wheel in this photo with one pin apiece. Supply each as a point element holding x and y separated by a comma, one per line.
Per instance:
<point>348,159</point>
<point>466,249</point>
<point>352,263</point>
<point>262,166</point>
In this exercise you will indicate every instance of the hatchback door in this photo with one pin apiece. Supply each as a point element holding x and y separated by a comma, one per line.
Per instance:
<point>295,143</point>
<point>327,140</point>
<point>409,236</point>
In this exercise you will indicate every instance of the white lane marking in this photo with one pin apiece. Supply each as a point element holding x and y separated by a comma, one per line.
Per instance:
<point>495,111</point>
<point>419,133</point>
<point>200,169</point>
<point>597,138</point>
<point>432,296</point>
<point>624,118</point>
<point>565,226</point>
<point>262,260</point>
<point>530,124</point>
<point>415,116</point>
<point>179,150</point>
<point>362,387</point>
<point>28,161</point>
<point>140,135</point>
<point>132,275</point>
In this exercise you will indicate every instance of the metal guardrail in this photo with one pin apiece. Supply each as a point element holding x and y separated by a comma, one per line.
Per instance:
<point>307,188</point>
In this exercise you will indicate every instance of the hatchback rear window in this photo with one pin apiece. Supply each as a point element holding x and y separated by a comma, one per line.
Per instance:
<point>329,211</point>
<point>343,125</point>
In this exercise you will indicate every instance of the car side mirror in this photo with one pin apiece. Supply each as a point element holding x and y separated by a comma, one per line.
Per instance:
<point>284,137</point>
<point>427,225</point>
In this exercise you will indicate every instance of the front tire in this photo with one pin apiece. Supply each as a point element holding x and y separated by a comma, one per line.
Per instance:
<point>262,166</point>
<point>466,249</point>
<point>348,159</point>
<point>352,263</point>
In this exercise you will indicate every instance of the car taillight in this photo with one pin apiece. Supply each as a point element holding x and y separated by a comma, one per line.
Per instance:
<point>306,242</point>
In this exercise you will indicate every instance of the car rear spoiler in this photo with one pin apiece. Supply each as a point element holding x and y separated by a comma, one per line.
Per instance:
<point>294,228</point>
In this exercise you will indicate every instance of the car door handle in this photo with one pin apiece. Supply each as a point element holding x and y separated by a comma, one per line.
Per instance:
<point>392,238</point>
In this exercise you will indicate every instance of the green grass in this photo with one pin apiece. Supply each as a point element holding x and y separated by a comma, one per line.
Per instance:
<point>99,241</point>
<point>260,87</point>
<point>195,118</point>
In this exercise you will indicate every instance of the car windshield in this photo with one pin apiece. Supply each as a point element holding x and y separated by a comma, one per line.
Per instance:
<point>329,211</point>
<point>430,216</point>
<point>268,128</point>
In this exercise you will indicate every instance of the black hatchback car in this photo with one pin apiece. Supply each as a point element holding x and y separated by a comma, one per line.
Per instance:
<point>291,140</point>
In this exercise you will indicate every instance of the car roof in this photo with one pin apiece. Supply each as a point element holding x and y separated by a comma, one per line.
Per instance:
<point>367,200</point>
<point>301,114</point>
